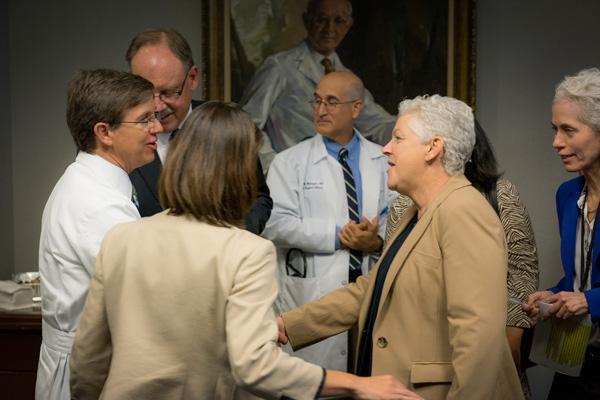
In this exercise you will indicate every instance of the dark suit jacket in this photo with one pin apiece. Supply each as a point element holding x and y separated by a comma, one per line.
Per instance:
<point>145,182</point>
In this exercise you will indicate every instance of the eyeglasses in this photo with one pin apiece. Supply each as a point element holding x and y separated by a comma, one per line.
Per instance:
<point>295,263</point>
<point>330,105</point>
<point>172,95</point>
<point>148,121</point>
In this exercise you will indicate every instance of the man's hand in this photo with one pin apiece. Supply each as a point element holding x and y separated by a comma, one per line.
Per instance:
<point>282,334</point>
<point>362,236</point>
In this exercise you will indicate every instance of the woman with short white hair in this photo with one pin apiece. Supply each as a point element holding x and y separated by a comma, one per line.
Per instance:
<point>432,312</point>
<point>576,123</point>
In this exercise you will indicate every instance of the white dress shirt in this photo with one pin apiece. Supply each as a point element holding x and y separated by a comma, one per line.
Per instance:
<point>164,138</point>
<point>92,196</point>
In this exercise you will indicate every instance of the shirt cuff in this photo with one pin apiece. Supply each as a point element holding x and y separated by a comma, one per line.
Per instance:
<point>320,389</point>
<point>338,245</point>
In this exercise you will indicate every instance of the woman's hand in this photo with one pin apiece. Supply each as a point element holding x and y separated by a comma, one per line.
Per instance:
<point>338,383</point>
<point>383,387</point>
<point>532,308</point>
<point>566,304</point>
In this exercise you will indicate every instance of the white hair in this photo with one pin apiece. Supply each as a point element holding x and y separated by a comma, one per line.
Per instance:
<point>583,88</point>
<point>448,118</point>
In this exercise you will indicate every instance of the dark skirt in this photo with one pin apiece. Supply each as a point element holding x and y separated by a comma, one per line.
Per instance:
<point>583,387</point>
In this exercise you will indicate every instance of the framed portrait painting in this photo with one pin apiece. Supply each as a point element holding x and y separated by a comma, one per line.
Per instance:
<point>399,49</point>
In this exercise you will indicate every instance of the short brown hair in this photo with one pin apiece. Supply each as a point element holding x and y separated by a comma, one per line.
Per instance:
<point>174,40</point>
<point>102,95</point>
<point>210,172</point>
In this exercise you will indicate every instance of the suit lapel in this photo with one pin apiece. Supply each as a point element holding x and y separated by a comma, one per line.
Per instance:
<point>408,215</point>
<point>569,232</point>
<point>150,174</point>
<point>307,66</point>
<point>422,225</point>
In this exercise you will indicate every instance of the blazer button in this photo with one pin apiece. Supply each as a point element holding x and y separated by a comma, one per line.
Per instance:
<point>382,342</point>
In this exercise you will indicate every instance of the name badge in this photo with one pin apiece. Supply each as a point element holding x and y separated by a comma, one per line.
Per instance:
<point>313,185</point>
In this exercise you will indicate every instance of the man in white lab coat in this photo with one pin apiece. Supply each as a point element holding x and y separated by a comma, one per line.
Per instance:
<point>277,96</point>
<point>329,207</point>
<point>111,116</point>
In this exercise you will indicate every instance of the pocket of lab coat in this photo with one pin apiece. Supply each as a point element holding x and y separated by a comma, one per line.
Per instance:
<point>297,291</point>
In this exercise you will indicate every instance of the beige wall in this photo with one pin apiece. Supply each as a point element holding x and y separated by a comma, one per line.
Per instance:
<point>524,50</point>
<point>49,42</point>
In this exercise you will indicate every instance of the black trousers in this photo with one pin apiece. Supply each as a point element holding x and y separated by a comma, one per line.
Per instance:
<point>583,387</point>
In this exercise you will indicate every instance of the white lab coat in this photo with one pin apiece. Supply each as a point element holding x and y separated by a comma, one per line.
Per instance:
<point>91,197</point>
<point>278,98</point>
<point>309,201</point>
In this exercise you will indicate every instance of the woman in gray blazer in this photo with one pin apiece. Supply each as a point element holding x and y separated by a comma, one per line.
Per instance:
<point>180,306</point>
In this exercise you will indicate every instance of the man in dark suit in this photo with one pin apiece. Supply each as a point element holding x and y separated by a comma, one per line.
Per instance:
<point>164,57</point>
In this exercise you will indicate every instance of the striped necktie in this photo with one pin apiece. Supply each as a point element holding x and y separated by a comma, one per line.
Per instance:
<point>352,199</point>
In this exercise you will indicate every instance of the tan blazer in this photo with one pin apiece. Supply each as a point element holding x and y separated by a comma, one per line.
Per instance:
<point>179,309</point>
<point>440,326</point>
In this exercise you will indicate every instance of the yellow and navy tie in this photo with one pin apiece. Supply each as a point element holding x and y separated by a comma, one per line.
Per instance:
<point>352,199</point>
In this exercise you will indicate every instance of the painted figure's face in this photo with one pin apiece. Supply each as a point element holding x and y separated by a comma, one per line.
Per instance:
<point>328,26</point>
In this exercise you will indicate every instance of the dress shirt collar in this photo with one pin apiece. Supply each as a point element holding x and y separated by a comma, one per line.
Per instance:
<point>318,57</point>
<point>162,142</point>
<point>106,172</point>
<point>333,148</point>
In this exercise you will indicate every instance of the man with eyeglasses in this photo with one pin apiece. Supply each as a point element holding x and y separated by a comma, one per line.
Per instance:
<point>278,94</point>
<point>112,120</point>
<point>330,205</point>
<point>164,57</point>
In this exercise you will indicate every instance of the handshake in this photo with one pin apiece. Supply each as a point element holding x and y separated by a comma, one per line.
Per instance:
<point>339,383</point>
<point>282,334</point>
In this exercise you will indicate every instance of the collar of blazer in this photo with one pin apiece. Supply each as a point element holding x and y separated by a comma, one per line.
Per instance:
<point>454,183</point>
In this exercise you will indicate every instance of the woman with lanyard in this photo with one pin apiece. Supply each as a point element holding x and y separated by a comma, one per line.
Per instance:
<point>576,122</point>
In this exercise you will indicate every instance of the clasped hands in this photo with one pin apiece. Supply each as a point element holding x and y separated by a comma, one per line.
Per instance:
<point>361,236</point>
<point>562,304</point>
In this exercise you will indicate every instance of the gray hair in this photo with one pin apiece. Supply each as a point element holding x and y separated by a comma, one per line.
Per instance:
<point>312,6</point>
<point>152,36</point>
<point>583,88</point>
<point>448,118</point>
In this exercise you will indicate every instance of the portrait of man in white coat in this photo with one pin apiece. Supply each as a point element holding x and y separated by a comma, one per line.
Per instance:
<point>111,117</point>
<point>278,95</point>
<point>328,215</point>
